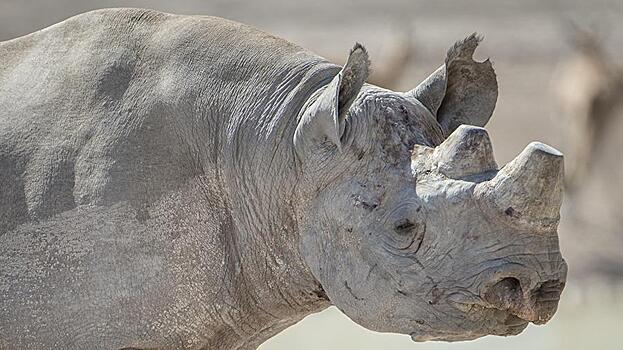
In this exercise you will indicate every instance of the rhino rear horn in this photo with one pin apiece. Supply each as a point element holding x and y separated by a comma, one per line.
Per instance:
<point>528,190</point>
<point>467,151</point>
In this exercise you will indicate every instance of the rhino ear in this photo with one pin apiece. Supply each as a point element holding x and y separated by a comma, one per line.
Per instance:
<point>324,118</point>
<point>431,91</point>
<point>462,91</point>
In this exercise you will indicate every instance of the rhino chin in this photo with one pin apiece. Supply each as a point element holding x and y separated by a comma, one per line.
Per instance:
<point>447,337</point>
<point>511,325</point>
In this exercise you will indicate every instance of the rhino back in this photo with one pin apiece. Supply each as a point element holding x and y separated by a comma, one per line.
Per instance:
<point>121,134</point>
<point>126,104</point>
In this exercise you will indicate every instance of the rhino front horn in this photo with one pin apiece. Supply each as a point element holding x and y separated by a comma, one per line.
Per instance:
<point>467,151</point>
<point>528,190</point>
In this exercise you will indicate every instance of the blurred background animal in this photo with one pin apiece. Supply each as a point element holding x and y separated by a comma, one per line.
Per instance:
<point>589,87</point>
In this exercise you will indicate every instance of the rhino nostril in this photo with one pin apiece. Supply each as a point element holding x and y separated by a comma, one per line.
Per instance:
<point>505,294</point>
<point>549,291</point>
<point>510,282</point>
<point>508,285</point>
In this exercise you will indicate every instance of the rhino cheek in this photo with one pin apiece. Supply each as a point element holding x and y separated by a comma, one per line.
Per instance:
<point>355,279</point>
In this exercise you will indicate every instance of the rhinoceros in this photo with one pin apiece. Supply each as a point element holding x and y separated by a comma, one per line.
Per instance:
<point>189,182</point>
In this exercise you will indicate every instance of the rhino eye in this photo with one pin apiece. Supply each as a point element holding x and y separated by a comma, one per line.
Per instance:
<point>404,226</point>
<point>409,235</point>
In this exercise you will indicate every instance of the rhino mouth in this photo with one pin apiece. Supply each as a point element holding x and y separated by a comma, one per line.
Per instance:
<point>514,321</point>
<point>512,324</point>
<point>501,320</point>
<point>508,325</point>
<point>498,322</point>
<point>536,306</point>
<point>506,310</point>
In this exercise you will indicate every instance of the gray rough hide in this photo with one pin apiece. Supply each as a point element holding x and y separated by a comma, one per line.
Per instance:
<point>177,182</point>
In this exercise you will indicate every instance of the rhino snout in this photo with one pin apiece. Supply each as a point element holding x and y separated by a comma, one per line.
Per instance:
<point>513,295</point>
<point>536,305</point>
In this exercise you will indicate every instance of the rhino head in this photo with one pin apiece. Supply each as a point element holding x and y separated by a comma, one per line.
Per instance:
<point>406,220</point>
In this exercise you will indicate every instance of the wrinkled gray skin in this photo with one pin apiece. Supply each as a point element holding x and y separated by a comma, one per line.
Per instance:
<point>175,182</point>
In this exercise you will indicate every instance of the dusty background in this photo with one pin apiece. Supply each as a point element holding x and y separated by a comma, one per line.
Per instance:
<point>525,39</point>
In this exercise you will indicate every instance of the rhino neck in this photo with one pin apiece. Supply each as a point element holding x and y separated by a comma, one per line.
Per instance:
<point>259,176</point>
